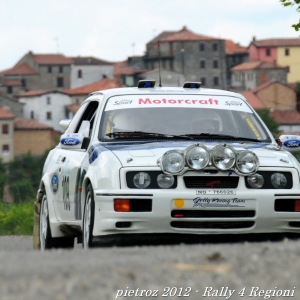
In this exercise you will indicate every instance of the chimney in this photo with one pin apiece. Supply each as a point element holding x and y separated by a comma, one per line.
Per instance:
<point>254,39</point>
<point>184,28</point>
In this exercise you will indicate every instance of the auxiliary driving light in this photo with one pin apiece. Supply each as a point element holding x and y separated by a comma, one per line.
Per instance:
<point>247,162</point>
<point>223,157</point>
<point>172,161</point>
<point>197,157</point>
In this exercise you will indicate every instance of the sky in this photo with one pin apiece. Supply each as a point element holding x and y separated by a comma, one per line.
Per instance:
<point>113,30</point>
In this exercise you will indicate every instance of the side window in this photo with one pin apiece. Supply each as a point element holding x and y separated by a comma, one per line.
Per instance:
<point>89,115</point>
<point>74,123</point>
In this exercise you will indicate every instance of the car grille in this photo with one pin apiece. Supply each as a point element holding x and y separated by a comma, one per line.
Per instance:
<point>212,213</point>
<point>216,182</point>
<point>212,225</point>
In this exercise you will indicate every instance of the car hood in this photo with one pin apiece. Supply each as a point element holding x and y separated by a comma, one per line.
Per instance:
<point>147,154</point>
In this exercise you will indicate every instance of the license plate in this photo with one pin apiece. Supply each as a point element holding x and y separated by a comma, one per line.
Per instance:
<point>215,192</point>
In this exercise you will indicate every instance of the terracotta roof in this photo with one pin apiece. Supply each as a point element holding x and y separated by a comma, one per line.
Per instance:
<point>10,82</point>
<point>186,35</point>
<point>22,69</point>
<point>36,93</point>
<point>89,60</point>
<point>102,84</point>
<point>252,65</point>
<point>5,113</point>
<point>73,108</point>
<point>121,68</point>
<point>28,124</point>
<point>286,117</point>
<point>161,36</point>
<point>253,100</point>
<point>233,48</point>
<point>52,59</point>
<point>266,84</point>
<point>277,42</point>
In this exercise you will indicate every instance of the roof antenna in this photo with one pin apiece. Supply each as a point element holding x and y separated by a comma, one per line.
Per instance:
<point>157,46</point>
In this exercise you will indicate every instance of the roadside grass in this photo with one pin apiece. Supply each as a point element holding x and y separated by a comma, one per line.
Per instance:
<point>16,218</point>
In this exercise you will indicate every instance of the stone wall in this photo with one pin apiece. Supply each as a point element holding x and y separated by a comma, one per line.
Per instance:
<point>35,141</point>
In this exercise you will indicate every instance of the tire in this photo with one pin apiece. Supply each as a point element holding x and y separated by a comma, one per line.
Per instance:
<point>88,219</point>
<point>46,241</point>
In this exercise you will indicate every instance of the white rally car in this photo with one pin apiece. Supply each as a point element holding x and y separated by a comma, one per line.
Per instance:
<point>156,161</point>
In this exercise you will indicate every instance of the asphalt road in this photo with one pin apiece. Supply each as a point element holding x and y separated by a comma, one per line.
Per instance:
<point>256,270</point>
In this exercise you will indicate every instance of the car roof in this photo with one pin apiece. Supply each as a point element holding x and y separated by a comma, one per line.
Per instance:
<point>163,90</point>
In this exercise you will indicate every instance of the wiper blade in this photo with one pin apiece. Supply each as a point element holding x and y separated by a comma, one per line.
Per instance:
<point>221,136</point>
<point>142,134</point>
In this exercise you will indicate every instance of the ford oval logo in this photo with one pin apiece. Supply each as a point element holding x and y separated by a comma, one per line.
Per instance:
<point>70,141</point>
<point>292,143</point>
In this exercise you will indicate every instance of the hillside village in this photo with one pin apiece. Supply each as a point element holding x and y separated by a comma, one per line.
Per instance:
<point>42,89</point>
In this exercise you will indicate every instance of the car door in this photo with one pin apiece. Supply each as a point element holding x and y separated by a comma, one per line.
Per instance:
<point>72,164</point>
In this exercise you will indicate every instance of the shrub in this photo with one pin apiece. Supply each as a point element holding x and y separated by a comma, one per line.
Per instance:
<point>16,219</point>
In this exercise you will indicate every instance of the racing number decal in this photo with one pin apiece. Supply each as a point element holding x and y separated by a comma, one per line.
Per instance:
<point>66,198</point>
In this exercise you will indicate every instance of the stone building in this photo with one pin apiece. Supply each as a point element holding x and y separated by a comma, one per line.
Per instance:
<point>32,136</point>
<point>235,55</point>
<point>37,72</point>
<point>78,95</point>
<point>281,100</point>
<point>197,57</point>
<point>6,134</point>
<point>282,51</point>
<point>249,75</point>
<point>127,75</point>
<point>13,105</point>
<point>45,106</point>
<point>86,70</point>
<point>167,77</point>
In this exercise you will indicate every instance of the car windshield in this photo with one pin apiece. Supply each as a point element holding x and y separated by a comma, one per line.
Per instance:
<point>172,116</point>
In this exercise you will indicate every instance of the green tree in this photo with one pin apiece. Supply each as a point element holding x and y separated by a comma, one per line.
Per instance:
<point>269,121</point>
<point>291,3</point>
<point>24,175</point>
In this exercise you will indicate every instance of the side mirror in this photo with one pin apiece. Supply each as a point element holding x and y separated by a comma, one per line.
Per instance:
<point>289,142</point>
<point>64,123</point>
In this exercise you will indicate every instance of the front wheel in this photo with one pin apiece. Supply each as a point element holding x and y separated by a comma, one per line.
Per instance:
<point>88,219</point>
<point>46,241</point>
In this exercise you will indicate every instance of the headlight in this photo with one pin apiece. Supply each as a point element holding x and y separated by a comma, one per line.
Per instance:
<point>197,157</point>
<point>223,157</point>
<point>172,161</point>
<point>165,181</point>
<point>278,180</point>
<point>256,181</point>
<point>247,162</point>
<point>141,180</point>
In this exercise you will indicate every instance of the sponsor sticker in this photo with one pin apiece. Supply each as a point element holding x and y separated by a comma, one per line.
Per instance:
<point>252,127</point>
<point>54,183</point>
<point>192,101</point>
<point>203,202</point>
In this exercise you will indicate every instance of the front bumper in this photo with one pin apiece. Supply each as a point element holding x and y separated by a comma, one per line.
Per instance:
<point>203,219</point>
